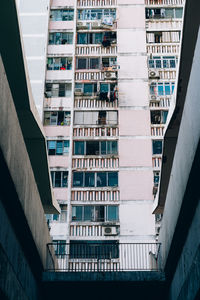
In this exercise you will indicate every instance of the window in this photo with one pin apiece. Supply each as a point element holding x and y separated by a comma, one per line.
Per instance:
<point>104,38</point>
<point>87,63</point>
<point>164,13</point>
<point>59,63</point>
<point>109,61</point>
<point>62,217</point>
<point>96,118</point>
<point>97,213</point>
<point>62,15</point>
<point>58,147</point>
<point>156,177</point>
<point>165,62</point>
<point>94,249</point>
<point>162,88</point>
<point>58,90</point>
<point>60,38</point>
<point>159,116</point>
<point>157,147</point>
<point>88,89</point>
<point>96,14</point>
<point>59,179</point>
<point>163,37</point>
<point>57,118</point>
<point>59,247</point>
<point>92,148</point>
<point>95,148</point>
<point>108,91</point>
<point>95,179</point>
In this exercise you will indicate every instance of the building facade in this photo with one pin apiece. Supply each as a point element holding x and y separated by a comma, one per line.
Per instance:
<point>111,72</point>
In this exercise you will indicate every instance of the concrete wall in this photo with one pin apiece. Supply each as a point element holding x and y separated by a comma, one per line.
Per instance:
<point>15,154</point>
<point>135,173</point>
<point>186,148</point>
<point>34,18</point>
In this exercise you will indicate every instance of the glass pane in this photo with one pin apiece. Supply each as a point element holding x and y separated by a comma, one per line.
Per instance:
<point>167,89</point>
<point>51,144</point>
<point>112,147</point>
<point>59,148</point>
<point>104,87</point>
<point>112,179</point>
<point>88,88</point>
<point>94,63</point>
<point>65,179</point>
<point>88,213</point>
<point>99,213</point>
<point>179,12</point>
<point>113,213</point>
<point>78,179</point>
<point>57,179</point>
<point>66,147</point>
<point>77,214</point>
<point>89,179</point>
<point>67,118</point>
<point>160,89</point>
<point>82,38</point>
<point>78,148</point>
<point>157,147</point>
<point>92,148</point>
<point>158,64</point>
<point>103,148</point>
<point>101,179</point>
<point>82,63</point>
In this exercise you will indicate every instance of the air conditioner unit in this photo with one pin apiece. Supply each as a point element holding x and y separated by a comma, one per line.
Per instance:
<point>83,25</point>
<point>155,98</point>
<point>110,75</point>
<point>78,92</point>
<point>96,25</point>
<point>110,230</point>
<point>154,75</point>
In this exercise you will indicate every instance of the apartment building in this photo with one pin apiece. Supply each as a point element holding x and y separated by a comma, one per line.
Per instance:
<point>109,83</point>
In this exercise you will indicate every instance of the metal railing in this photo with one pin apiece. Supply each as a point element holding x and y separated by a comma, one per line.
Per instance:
<point>108,256</point>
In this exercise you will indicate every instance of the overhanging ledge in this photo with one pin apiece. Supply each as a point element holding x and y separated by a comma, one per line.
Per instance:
<point>17,75</point>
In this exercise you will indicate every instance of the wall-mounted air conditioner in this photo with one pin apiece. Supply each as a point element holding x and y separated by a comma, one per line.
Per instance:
<point>154,75</point>
<point>110,230</point>
<point>83,25</point>
<point>78,92</point>
<point>110,75</point>
<point>154,98</point>
<point>96,25</point>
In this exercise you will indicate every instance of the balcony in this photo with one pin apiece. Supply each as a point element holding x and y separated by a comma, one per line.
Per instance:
<point>95,132</point>
<point>96,3</point>
<point>157,24</point>
<point>104,257</point>
<point>157,130</point>
<point>95,75</point>
<point>165,2</point>
<point>108,196</point>
<point>163,48</point>
<point>94,103</point>
<point>95,163</point>
<point>96,50</point>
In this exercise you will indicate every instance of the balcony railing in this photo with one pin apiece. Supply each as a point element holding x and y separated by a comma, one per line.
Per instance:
<point>95,132</point>
<point>94,103</point>
<point>96,50</point>
<point>95,196</point>
<point>156,24</point>
<point>164,2</point>
<point>93,162</point>
<point>104,256</point>
<point>163,48</point>
<point>87,3</point>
